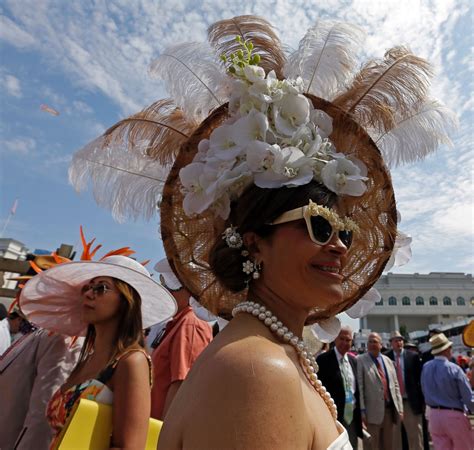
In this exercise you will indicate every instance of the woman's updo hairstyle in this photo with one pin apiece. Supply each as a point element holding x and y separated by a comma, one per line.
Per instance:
<point>253,211</point>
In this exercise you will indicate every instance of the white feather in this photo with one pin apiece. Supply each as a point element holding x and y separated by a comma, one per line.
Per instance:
<point>194,78</point>
<point>326,57</point>
<point>364,304</point>
<point>415,137</point>
<point>128,183</point>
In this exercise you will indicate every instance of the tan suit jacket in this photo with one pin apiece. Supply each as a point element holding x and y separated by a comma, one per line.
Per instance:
<point>371,388</point>
<point>30,371</point>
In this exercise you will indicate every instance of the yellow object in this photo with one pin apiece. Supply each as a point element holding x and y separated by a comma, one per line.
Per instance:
<point>90,427</point>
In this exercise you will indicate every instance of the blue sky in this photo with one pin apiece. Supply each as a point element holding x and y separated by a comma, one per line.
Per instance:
<point>89,60</point>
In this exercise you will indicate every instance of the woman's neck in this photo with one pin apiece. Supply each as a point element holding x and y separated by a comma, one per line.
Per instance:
<point>290,315</point>
<point>105,338</point>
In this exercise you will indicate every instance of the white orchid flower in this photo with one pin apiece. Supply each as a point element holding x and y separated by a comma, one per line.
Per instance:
<point>260,156</point>
<point>253,73</point>
<point>199,184</point>
<point>224,143</point>
<point>290,167</point>
<point>323,121</point>
<point>344,177</point>
<point>290,113</point>
<point>293,87</point>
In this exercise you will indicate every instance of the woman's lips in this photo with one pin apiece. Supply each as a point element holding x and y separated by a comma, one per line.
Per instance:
<point>330,271</point>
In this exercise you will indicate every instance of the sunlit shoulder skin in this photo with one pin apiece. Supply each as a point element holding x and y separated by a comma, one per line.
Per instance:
<point>233,371</point>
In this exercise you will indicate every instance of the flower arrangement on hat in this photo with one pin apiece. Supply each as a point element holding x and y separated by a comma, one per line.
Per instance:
<point>274,137</point>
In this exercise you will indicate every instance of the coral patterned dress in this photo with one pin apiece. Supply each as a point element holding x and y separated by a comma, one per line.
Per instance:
<point>96,389</point>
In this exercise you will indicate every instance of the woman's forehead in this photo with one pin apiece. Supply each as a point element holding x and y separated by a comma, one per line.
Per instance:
<point>101,278</point>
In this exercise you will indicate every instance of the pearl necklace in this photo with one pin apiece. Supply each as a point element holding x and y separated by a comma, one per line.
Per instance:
<point>306,359</point>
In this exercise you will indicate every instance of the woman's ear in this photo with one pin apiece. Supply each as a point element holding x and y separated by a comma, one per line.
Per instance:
<point>252,243</point>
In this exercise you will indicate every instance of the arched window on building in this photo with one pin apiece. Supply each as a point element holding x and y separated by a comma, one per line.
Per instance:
<point>460,301</point>
<point>433,301</point>
<point>392,301</point>
<point>447,301</point>
<point>380,302</point>
<point>406,301</point>
<point>420,301</point>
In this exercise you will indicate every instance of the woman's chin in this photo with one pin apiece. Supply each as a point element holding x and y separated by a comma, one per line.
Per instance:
<point>329,297</point>
<point>88,317</point>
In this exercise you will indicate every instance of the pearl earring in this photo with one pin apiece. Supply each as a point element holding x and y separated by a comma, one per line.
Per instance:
<point>257,270</point>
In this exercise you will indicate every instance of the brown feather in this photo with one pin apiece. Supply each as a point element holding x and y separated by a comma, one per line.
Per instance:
<point>385,89</point>
<point>266,43</point>
<point>162,125</point>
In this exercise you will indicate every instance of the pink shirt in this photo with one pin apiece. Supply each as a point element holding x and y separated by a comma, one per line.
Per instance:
<point>186,336</point>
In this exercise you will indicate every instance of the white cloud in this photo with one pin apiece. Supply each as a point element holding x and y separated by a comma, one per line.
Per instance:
<point>10,84</point>
<point>22,145</point>
<point>50,96</point>
<point>13,34</point>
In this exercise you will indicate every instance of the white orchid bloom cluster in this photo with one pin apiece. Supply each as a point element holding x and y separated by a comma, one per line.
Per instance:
<point>273,138</point>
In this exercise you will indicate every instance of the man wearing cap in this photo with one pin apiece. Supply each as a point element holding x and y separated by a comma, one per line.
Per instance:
<point>448,394</point>
<point>338,373</point>
<point>408,368</point>
<point>380,399</point>
<point>176,349</point>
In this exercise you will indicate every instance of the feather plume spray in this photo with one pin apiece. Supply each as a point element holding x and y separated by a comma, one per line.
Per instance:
<point>384,88</point>
<point>193,77</point>
<point>326,57</point>
<point>266,43</point>
<point>162,125</point>
<point>128,164</point>
<point>128,183</point>
<point>416,136</point>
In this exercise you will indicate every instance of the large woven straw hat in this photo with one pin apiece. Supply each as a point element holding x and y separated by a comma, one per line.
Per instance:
<point>188,240</point>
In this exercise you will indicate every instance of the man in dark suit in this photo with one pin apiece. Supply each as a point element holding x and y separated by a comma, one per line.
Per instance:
<point>338,373</point>
<point>408,367</point>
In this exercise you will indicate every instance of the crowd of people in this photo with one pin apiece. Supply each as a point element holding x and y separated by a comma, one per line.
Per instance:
<point>392,395</point>
<point>385,399</point>
<point>277,213</point>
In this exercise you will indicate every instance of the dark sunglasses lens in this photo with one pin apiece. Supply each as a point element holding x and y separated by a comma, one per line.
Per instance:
<point>100,289</point>
<point>346,237</point>
<point>322,229</point>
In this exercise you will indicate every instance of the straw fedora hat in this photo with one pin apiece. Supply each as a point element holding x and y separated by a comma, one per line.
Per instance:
<point>439,343</point>
<point>396,335</point>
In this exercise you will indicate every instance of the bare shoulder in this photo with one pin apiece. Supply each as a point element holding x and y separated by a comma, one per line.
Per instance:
<point>134,361</point>
<point>251,385</point>
<point>255,357</point>
<point>258,369</point>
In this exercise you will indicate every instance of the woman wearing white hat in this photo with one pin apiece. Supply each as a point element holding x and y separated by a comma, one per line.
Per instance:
<point>110,302</point>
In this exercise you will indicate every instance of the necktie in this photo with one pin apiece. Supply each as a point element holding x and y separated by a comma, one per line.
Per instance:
<point>383,378</point>
<point>400,375</point>
<point>348,405</point>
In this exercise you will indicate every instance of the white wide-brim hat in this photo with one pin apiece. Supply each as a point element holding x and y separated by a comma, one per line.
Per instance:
<point>52,299</point>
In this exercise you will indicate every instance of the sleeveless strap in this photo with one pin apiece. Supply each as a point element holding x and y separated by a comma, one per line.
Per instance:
<point>108,372</point>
